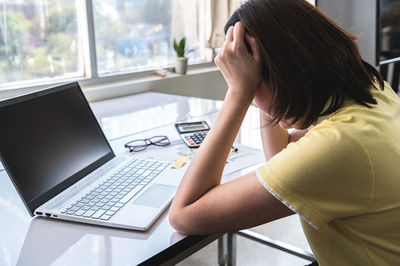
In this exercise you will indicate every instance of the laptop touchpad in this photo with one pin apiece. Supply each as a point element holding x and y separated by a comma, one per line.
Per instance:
<point>156,195</point>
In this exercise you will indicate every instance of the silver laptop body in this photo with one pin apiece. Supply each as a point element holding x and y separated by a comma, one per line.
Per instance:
<point>63,167</point>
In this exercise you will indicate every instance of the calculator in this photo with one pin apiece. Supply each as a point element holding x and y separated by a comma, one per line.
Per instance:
<point>193,133</point>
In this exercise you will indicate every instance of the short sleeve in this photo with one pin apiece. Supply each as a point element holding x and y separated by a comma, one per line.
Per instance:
<point>325,175</point>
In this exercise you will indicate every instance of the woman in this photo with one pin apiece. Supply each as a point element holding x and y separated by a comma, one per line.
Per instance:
<point>339,170</point>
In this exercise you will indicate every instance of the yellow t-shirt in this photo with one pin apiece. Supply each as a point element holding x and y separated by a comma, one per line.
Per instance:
<point>343,178</point>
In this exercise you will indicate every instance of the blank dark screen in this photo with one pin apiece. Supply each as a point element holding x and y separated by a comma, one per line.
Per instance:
<point>47,139</point>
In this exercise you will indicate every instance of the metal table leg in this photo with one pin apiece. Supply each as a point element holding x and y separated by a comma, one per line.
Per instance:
<point>231,253</point>
<point>222,244</point>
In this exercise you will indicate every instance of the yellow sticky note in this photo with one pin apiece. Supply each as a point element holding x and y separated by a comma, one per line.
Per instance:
<point>180,162</point>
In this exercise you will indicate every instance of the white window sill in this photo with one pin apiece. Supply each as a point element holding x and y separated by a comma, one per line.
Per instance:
<point>195,83</point>
<point>205,82</point>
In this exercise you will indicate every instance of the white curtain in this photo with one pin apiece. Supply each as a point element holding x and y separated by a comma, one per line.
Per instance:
<point>220,11</point>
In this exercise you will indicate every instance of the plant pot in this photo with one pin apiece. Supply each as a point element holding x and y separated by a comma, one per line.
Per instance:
<point>181,65</point>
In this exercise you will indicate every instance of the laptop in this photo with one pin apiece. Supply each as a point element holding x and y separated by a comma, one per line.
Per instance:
<point>63,167</point>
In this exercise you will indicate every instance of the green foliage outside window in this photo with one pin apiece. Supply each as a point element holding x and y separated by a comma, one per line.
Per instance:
<point>35,46</point>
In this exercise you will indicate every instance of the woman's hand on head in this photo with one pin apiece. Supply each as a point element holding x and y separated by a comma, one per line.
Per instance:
<point>241,68</point>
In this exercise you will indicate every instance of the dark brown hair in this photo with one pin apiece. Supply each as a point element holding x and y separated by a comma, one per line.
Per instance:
<point>307,59</point>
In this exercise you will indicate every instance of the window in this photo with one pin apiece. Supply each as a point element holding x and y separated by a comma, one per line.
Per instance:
<point>138,34</point>
<point>38,40</point>
<point>43,40</point>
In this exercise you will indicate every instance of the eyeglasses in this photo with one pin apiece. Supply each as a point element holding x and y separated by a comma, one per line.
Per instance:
<point>141,144</point>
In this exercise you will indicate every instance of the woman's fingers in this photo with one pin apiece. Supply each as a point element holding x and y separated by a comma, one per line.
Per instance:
<point>238,34</point>
<point>228,39</point>
<point>229,35</point>
<point>253,46</point>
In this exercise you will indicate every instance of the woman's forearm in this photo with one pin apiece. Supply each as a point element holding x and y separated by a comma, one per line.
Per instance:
<point>206,169</point>
<point>242,72</point>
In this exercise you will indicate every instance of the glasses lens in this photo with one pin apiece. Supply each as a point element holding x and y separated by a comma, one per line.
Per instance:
<point>136,145</point>
<point>160,140</point>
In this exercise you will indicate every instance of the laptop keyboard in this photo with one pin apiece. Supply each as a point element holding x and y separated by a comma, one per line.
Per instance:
<point>106,199</point>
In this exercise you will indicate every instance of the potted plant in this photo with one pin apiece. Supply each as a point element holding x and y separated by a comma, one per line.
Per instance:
<point>181,59</point>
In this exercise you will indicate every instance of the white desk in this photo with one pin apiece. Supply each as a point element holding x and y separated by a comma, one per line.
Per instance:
<point>39,241</point>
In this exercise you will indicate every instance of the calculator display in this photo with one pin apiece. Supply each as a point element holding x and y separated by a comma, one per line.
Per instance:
<point>192,127</point>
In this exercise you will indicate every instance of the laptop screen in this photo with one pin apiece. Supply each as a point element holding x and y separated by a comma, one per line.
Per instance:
<point>49,140</point>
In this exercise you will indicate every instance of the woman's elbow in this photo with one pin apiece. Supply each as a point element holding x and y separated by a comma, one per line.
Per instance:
<point>182,221</point>
<point>176,221</point>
